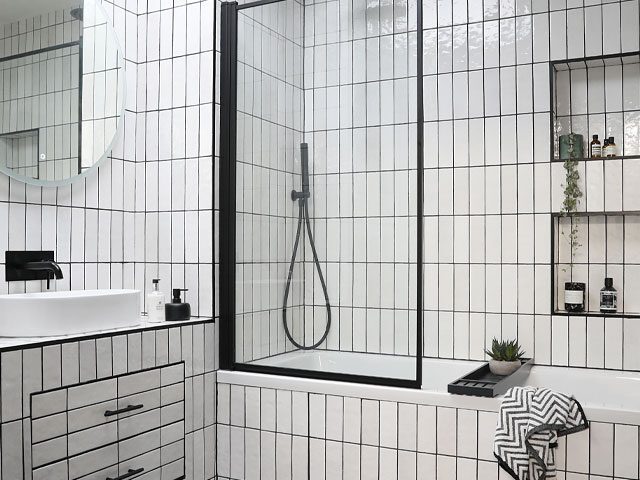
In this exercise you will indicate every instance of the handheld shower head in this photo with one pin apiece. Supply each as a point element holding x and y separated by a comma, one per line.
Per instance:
<point>304,161</point>
<point>304,164</point>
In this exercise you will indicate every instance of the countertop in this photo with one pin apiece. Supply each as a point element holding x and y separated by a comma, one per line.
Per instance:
<point>13,343</point>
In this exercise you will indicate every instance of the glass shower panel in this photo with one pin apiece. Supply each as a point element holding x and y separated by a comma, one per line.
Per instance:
<point>326,189</point>
<point>269,132</point>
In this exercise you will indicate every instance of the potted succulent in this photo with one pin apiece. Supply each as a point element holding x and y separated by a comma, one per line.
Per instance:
<point>573,291</point>
<point>505,356</point>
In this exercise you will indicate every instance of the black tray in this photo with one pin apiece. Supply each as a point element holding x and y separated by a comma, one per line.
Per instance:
<point>482,383</point>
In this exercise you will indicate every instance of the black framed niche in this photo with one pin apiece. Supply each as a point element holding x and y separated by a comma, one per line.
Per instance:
<point>598,95</point>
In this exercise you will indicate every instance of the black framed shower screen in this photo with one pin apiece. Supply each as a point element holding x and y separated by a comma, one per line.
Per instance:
<point>228,210</point>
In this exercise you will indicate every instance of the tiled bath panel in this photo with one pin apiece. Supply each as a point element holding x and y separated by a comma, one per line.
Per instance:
<point>279,434</point>
<point>66,363</point>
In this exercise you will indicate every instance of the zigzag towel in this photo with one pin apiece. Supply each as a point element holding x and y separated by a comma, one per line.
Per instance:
<point>529,424</point>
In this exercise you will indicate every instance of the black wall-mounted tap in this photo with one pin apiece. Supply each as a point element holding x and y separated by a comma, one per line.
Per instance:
<point>31,265</point>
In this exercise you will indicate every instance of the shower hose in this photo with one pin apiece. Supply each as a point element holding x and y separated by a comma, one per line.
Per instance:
<point>303,216</point>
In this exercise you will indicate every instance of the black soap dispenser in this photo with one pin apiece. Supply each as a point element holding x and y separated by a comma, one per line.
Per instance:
<point>176,311</point>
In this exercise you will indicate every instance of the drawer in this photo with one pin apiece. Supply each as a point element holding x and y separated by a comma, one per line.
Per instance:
<point>49,427</point>
<point>55,471</point>
<point>83,465</point>
<point>132,423</point>
<point>140,423</point>
<point>49,452</point>
<point>92,393</point>
<point>149,400</point>
<point>109,472</point>
<point>172,452</point>
<point>48,403</point>
<point>139,382</point>
<point>149,462</point>
<point>91,438</point>
<point>91,416</point>
<point>172,471</point>
<point>138,445</point>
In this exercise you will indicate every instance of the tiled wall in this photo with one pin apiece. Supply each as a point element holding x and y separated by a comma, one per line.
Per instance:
<point>282,434</point>
<point>171,183</point>
<point>148,212</point>
<point>270,124</point>
<point>360,119</point>
<point>38,368</point>
<point>490,183</point>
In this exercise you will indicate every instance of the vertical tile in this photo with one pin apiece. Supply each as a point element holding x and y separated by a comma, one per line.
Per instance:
<point>31,376</point>
<point>389,424</point>
<point>268,409</point>
<point>626,451</point>
<point>51,366</point>
<point>427,428</point>
<point>602,436</point>
<point>12,449</point>
<point>70,363</point>
<point>370,422</point>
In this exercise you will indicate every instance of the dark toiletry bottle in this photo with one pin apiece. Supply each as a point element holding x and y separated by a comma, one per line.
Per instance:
<point>605,147</point>
<point>595,148</point>
<point>177,311</point>
<point>608,297</point>
<point>612,149</point>
<point>574,296</point>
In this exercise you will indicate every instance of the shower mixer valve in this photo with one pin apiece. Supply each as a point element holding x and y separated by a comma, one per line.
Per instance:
<point>300,195</point>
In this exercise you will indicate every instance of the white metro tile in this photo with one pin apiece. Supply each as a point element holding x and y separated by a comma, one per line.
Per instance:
<point>370,422</point>
<point>626,451</point>
<point>389,424</point>
<point>602,442</point>
<point>447,436</point>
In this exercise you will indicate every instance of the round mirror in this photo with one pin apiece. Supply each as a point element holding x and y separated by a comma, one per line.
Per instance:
<point>61,89</point>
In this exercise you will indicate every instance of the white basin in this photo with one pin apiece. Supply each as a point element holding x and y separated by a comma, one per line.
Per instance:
<point>50,314</point>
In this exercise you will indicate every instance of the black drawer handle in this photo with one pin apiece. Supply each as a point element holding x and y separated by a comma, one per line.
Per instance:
<point>128,408</point>
<point>130,473</point>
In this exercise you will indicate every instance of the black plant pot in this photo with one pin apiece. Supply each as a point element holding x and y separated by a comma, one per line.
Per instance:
<point>574,296</point>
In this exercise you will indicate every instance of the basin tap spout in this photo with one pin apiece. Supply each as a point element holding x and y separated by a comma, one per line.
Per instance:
<point>49,266</point>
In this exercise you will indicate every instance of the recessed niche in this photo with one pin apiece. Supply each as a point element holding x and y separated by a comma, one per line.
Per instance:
<point>597,95</point>
<point>609,247</point>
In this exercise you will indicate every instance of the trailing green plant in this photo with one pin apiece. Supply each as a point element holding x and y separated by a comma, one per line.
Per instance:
<point>505,350</point>
<point>572,196</point>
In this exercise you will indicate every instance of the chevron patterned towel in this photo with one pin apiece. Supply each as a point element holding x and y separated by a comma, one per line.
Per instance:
<point>529,424</point>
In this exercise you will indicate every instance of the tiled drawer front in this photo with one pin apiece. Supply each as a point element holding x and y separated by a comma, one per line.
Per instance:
<point>131,426</point>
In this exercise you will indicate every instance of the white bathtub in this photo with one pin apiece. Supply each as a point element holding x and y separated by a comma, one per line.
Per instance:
<point>606,395</point>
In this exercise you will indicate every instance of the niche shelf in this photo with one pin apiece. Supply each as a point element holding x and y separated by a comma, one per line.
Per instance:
<point>610,246</point>
<point>597,95</point>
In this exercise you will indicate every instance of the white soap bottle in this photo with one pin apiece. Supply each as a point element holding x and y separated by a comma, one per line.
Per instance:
<point>155,303</point>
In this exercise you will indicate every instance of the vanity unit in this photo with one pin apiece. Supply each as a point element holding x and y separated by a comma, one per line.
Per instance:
<point>132,403</point>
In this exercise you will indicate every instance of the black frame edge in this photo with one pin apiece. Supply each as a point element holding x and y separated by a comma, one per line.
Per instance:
<point>228,106</point>
<point>227,198</point>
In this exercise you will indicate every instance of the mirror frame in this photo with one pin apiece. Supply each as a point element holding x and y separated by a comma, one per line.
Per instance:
<point>108,149</point>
